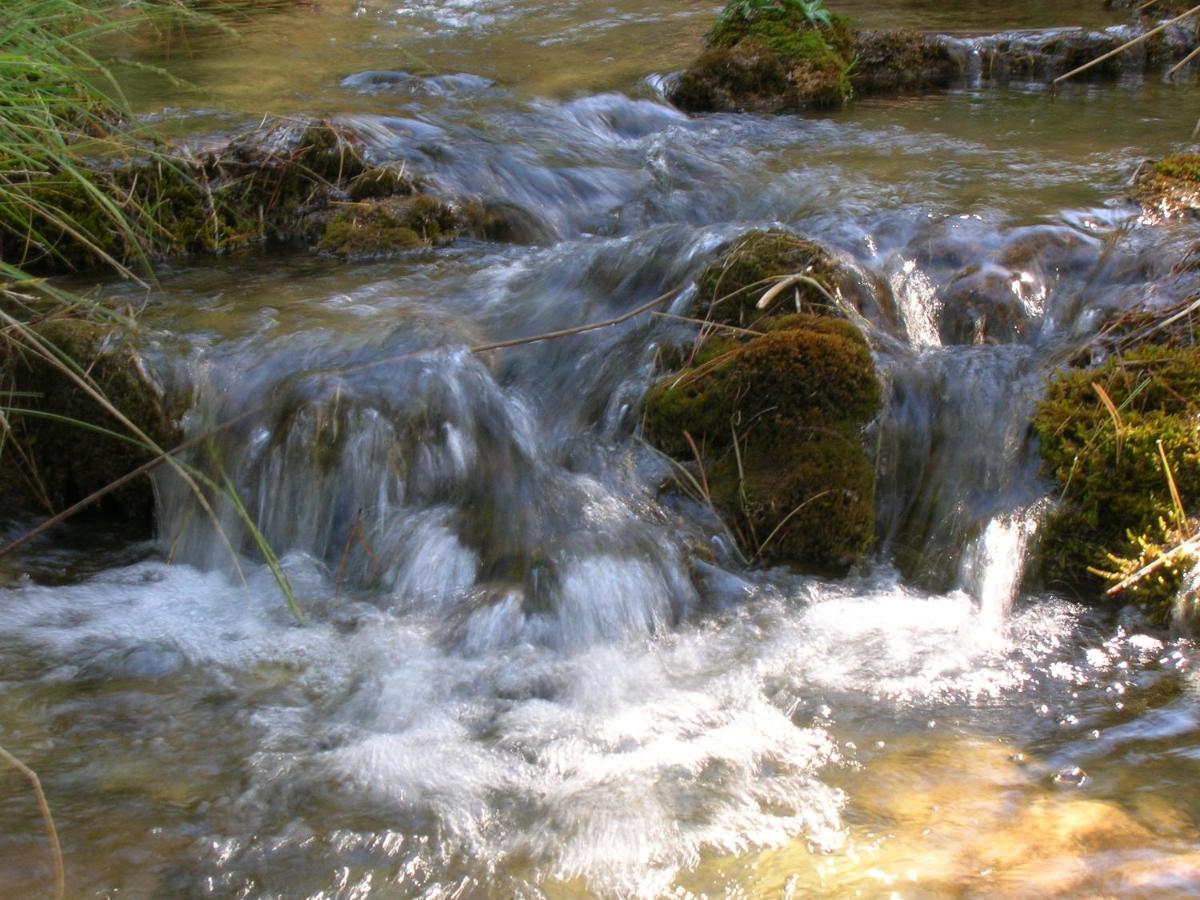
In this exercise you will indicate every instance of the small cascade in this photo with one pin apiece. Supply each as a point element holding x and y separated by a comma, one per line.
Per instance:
<point>993,565</point>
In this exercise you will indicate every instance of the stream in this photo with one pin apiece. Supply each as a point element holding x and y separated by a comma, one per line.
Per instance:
<point>524,670</point>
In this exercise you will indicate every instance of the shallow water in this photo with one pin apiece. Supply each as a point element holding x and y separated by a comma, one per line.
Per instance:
<point>523,671</point>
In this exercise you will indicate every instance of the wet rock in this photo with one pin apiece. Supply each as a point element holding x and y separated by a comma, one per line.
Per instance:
<point>55,455</point>
<point>775,60</point>
<point>772,422</point>
<point>899,61</point>
<point>1117,513</point>
<point>1045,54</point>
<point>494,220</point>
<point>729,288</point>
<point>780,61</point>
<point>983,306</point>
<point>1048,249</point>
<point>1169,188</point>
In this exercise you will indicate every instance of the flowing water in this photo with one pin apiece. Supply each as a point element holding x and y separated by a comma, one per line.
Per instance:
<point>523,671</point>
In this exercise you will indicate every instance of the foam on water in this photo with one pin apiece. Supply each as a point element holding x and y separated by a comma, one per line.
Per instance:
<point>620,763</point>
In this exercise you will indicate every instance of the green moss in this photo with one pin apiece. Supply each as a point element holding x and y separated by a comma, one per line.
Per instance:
<point>330,153</point>
<point>807,500</point>
<point>381,181</point>
<point>258,188</point>
<point>787,32</point>
<point>776,60</point>
<point>1179,165</point>
<point>777,422</point>
<point>1115,492</point>
<point>729,288</point>
<point>382,227</point>
<point>1170,187</point>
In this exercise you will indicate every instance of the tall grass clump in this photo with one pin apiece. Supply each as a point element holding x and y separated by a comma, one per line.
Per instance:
<point>67,202</point>
<point>63,117</point>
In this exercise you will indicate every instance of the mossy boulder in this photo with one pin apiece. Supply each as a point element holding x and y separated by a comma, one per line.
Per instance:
<point>771,58</point>
<point>1117,510</point>
<point>1170,187</point>
<point>784,57</point>
<point>776,421</point>
<point>55,455</point>
<point>730,288</point>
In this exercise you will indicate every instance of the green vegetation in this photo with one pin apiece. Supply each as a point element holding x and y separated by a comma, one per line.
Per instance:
<point>79,415</point>
<point>1170,187</point>
<point>372,229</point>
<point>771,55</point>
<point>770,411</point>
<point>1122,443</point>
<point>731,286</point>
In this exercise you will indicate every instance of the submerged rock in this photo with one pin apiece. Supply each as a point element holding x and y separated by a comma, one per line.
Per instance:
<point>983,305</point>
<point>67,445</point>
<point>771,418</point>
<point>1123,444</point>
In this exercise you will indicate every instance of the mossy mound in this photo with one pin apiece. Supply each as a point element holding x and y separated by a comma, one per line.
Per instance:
<point>1117,510</point>
<point>729,288</point>
<point>54,456</point>
<point>769,58</point>
<point>1170,188</point>
<point>371,229</point>
<point>776,421</point>
<point>283,185</point>
<point>784,56</point>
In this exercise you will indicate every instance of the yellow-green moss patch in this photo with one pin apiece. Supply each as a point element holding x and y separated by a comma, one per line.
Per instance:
<point>1117,502</point>
<point>1170,188</point>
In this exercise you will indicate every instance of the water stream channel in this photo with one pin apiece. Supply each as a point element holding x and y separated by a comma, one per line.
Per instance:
<point>533,674</point>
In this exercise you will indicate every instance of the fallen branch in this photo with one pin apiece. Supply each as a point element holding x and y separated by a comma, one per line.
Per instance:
<point>1191,545</point>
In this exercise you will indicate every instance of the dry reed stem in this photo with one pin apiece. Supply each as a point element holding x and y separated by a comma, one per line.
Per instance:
<point>1131,43</point>
<point>60,877</point>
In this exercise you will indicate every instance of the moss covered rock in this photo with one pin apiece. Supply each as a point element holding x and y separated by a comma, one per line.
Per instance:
<point>769,58</point>
<point>55,455</point>
<point>371,229</point>
<point>897,61</point>
<point>1169,188</point>
<point>729,288</point>
<point>1117,511</point>
<point>775,421</point>
<point>785,56</point>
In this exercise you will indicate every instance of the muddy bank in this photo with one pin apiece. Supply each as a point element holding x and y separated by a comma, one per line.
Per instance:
<point>62,443</point>
<point>779,61</point>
